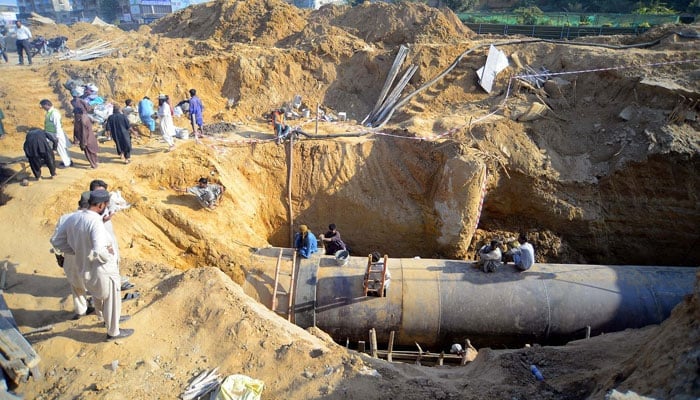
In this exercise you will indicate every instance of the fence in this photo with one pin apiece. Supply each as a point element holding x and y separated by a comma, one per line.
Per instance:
<point>571,20</point>
<point>552,32</point>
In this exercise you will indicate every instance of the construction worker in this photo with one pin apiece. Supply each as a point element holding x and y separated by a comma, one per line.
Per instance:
<point>490,256</point>
<point>279,121</point>
<point>305,242</point>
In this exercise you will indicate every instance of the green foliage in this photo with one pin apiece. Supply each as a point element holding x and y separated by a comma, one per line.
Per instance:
<point>694,7</point>
<point>655,8</point>
<point>528,15</point>
<point>460,5</point>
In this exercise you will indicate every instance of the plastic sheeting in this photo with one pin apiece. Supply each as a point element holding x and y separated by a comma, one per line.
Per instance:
<point>240,387</point>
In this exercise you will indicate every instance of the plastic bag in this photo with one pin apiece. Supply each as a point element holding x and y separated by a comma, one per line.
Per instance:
<point>240,387</point>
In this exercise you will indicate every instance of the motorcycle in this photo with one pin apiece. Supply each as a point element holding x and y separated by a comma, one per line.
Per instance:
<point>39,46</point>
<point>57,44</point>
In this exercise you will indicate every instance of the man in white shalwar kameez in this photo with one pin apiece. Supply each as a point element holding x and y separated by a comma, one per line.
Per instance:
<point>70,266</point>
<point>85,235</point>
<point>167,126</point>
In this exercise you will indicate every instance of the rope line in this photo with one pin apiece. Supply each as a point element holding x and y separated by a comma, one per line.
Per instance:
<point>508,94</point>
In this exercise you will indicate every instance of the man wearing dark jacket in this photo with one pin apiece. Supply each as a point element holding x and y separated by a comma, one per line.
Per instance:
<point>118,125</point>
<point>38,147</point>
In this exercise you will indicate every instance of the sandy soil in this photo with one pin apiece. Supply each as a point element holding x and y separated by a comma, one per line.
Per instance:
<point>586,184</point>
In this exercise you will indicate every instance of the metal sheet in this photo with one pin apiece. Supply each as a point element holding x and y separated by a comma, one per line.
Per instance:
<point>305,296</point>
<point>420,288</point>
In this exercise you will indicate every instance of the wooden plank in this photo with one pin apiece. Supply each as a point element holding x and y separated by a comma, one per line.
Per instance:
<point>391,346</point>
<point>273,306</point>
<point>292,279</point>
<point>373,342</point>
<point>361,346</point>
<point>15,370</point>
<point>5,310</point>
<point>381,284</point>
<point>369,269</point>
<point>7,329</point>
<point>8,348</point>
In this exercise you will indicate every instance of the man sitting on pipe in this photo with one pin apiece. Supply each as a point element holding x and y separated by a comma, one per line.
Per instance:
<point>490,256</point>
<point>305,242</point>
<point>523,255</point>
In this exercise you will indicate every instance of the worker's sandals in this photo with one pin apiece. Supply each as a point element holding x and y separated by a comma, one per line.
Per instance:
<point>123,333</point>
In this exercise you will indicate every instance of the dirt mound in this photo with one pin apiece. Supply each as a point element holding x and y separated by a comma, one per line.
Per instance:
<point>267,22</point>
<point>259,22</point>
<point>218,326</point>
<point>602,176</point>
<point>393,24</point>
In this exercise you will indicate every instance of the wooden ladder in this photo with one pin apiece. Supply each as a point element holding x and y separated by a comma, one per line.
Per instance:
<point>376,275</point>
<point>290,292</point>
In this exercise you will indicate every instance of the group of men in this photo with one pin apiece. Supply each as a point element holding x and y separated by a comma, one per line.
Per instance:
<point>306,244</point>
<point>165,113</point>
<point>39,145</point>
<point>89,253</point>
<point>521,253</point>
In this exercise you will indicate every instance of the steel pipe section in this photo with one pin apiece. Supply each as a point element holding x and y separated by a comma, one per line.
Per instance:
<point>440,302</point>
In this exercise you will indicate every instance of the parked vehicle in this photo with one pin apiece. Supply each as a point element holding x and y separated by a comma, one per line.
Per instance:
<point>57,44</point>
<point>39,46</point>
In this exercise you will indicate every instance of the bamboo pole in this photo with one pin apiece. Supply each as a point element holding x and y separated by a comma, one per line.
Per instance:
<point>391,347</point>
<point>318,108</point>
<point>24,167</point>
<point>290,168</point>
<point>290,306</point>
<point>373,342</point>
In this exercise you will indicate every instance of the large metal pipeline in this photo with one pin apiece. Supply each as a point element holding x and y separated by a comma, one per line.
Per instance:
<point>440,302</point>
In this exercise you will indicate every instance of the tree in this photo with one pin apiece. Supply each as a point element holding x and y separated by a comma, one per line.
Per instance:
<point>108,10</point>
<point>460,5</point>
<point>694,7</point>
<point>528,15</point>
<point>655,8</point>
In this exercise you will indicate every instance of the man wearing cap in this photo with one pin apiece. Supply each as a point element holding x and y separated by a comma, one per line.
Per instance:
<point>84,135</point>
<point>305,242</point>
<point>52,124</point>
<point>38,147</point>
<point>78,102</point>
<point>70,265</point>
<point>84,234</point>
<point>119,127</point>
<point>208,194</point>
<point>167,126</point>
